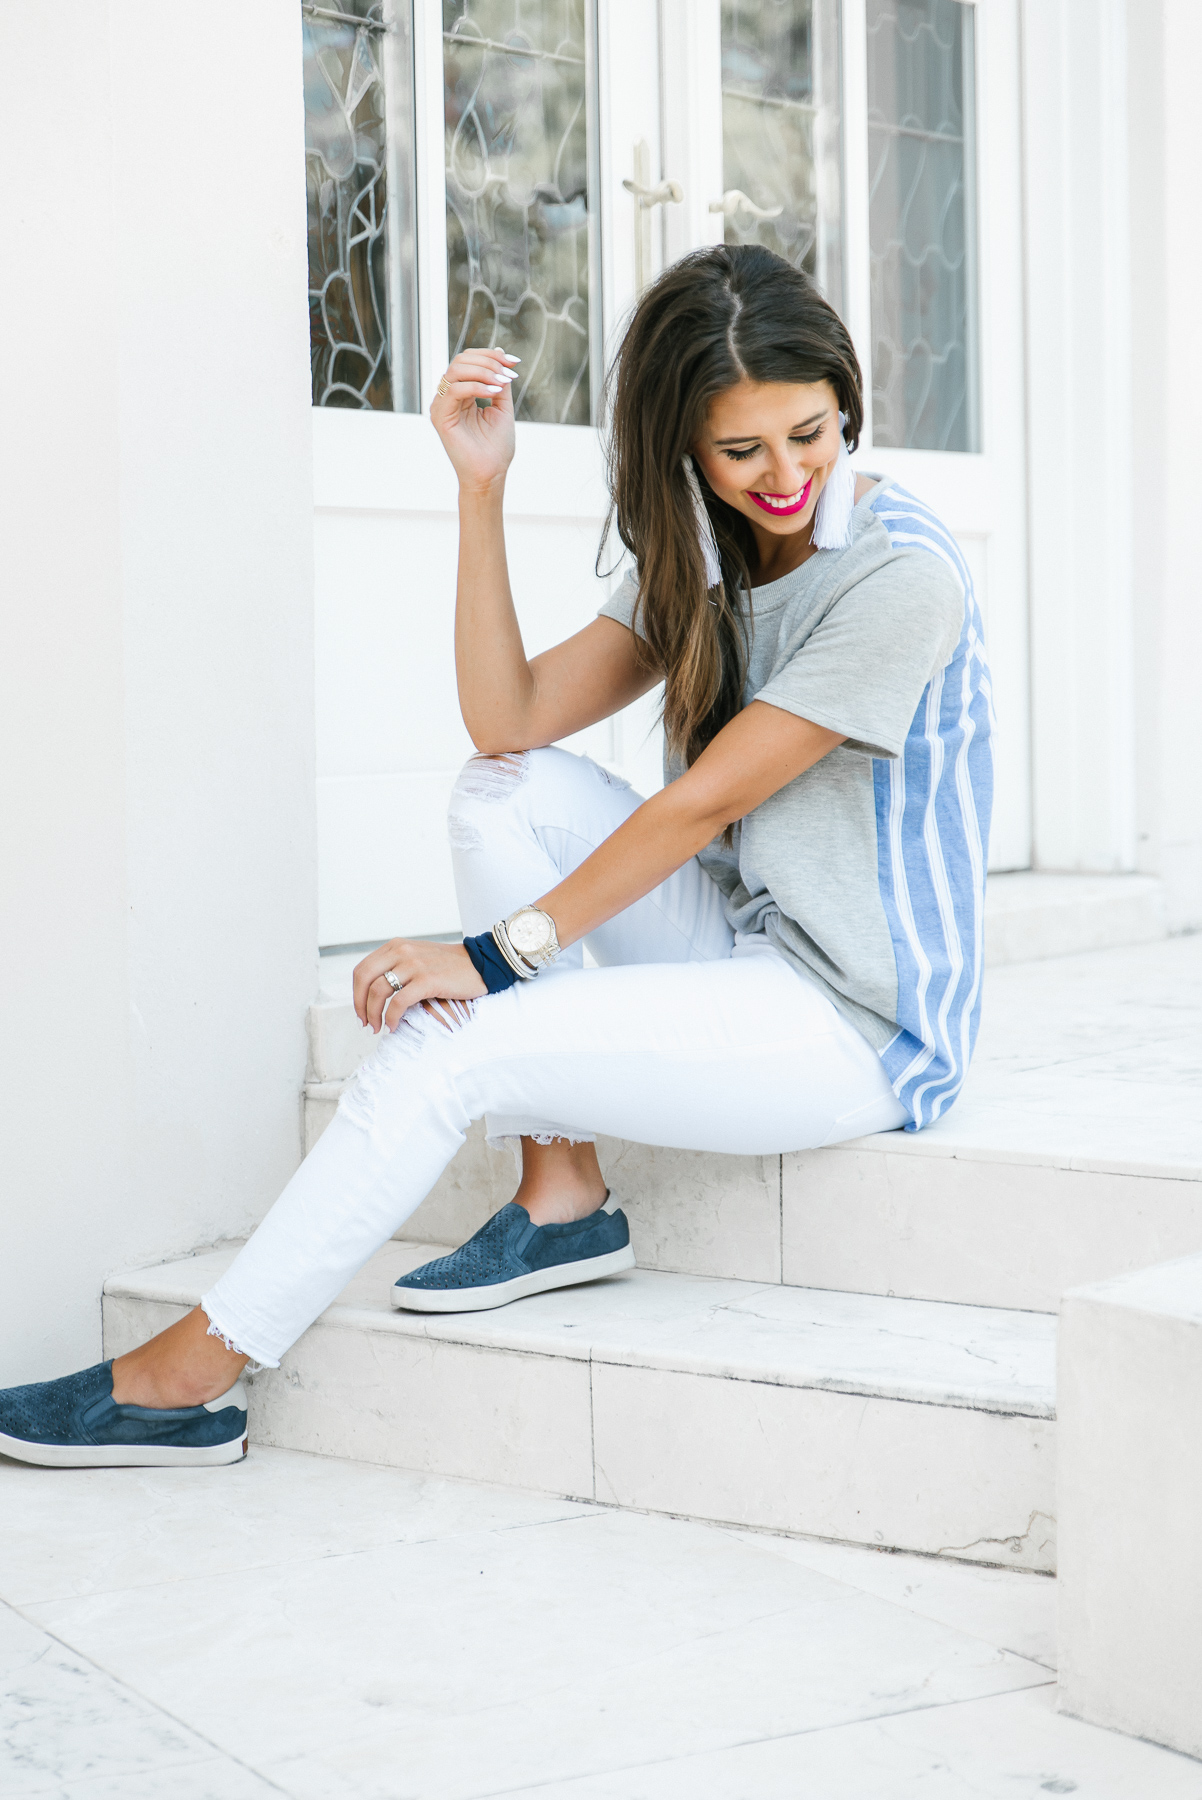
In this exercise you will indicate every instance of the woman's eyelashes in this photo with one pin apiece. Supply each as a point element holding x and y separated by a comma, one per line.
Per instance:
<point>742,455</point>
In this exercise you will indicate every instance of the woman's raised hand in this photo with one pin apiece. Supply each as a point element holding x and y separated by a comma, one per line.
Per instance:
<point>478,439</point>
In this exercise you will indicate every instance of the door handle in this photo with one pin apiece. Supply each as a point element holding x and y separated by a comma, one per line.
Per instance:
<point>668,193</point>
<point>734,200</point>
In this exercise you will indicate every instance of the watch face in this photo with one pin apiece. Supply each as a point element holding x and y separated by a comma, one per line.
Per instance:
<point>528,932</point>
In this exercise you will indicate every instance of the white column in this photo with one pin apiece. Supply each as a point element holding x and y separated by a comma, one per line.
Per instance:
<point>1079,416</point>
<point>1114,268</point>
<point>158,813</point>
<point>1129,1453</point>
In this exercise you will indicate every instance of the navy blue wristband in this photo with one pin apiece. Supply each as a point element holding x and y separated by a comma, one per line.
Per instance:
<point>488,963</point>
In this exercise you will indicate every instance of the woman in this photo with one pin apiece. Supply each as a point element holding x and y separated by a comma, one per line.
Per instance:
<point>789,935</point>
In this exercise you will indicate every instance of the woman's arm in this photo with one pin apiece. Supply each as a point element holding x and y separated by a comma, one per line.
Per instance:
<point>761,750</point>
<point>509,702</point>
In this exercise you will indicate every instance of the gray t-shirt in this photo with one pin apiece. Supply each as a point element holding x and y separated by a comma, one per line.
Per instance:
<point>867,871</point>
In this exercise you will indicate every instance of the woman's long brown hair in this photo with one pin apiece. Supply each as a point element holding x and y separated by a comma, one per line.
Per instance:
<point>715,318</point>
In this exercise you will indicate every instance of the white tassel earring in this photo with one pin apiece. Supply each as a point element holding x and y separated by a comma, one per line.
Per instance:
<point>705,530</point>
<point>836,502</point>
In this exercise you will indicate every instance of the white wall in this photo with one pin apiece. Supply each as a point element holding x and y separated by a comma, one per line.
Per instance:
<point>157,813</point>
<point>1165,76</point>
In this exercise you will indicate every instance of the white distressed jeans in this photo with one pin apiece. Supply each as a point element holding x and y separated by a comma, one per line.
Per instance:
<point>682,1036</point>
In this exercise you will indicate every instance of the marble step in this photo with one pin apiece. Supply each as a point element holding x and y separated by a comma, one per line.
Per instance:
<point>1074,1154</point>
<point>1031,915</point>
<point>909,1424</point>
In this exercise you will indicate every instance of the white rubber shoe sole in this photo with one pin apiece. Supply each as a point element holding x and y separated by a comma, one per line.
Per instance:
<point>500,1293</point>
<point>122,1456</point>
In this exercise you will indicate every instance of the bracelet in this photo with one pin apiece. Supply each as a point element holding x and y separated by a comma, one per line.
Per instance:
<point>489,964</point>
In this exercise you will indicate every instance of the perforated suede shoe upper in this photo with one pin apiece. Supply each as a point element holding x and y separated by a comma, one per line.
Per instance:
<point>511,1245</point>
<point>80,1409</point>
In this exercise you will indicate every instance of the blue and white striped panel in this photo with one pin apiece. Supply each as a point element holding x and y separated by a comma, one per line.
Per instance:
<point>932,816</point>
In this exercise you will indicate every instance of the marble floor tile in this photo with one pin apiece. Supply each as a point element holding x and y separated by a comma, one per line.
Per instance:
<point>219,1778</point>
<point>1012,1609</point>
<point>460,1642</point>
<point>85,1531</point>
<point>66,1723</point>
<point>431,1669</point>
<point>1012,1747</point>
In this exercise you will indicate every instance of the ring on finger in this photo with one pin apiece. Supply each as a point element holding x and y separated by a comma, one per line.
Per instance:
<point>394,981</point>
<point>444,387</point>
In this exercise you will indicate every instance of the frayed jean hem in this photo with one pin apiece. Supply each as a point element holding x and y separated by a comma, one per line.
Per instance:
<point>240,1342</point>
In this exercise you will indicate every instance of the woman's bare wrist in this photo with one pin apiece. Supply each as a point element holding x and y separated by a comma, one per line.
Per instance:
<point>482,499</point>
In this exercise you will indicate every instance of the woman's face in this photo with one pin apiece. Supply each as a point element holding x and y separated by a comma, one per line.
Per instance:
<point>767,449</point>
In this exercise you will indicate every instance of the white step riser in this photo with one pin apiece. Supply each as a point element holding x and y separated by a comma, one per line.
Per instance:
<point>946,1480</point>
<point>1031,917</point>
<point>864,1220</point>
<point>978,1232</point>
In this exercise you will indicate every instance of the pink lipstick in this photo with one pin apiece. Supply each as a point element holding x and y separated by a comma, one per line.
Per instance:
<point>773,503</point>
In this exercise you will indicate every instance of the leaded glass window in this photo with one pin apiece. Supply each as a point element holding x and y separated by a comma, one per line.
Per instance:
<point>781,132</point>
<point>922,194</point>
<point>521,253</point>
<point>358,73</point>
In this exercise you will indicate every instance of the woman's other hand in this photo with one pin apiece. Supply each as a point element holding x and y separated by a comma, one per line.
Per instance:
<point>426,972</point>
<point>478,439</point>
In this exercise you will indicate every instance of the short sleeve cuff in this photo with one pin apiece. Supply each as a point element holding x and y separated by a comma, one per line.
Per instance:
<point>857,734</point>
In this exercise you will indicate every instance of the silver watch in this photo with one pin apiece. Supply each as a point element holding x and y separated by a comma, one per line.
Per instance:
<point>527,940</point>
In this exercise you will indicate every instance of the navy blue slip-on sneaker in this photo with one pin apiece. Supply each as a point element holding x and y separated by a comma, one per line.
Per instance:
<point>74,1423</point>
<point>511,1257</point>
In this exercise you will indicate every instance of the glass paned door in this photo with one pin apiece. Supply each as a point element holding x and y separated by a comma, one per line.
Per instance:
<point>358,79</point>
<point>922,223</point>
<point>781,133</point>
<point>520,132</point>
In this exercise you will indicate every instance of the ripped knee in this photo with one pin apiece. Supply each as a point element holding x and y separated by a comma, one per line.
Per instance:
<point>492,775</point>
<point>489,778</point>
